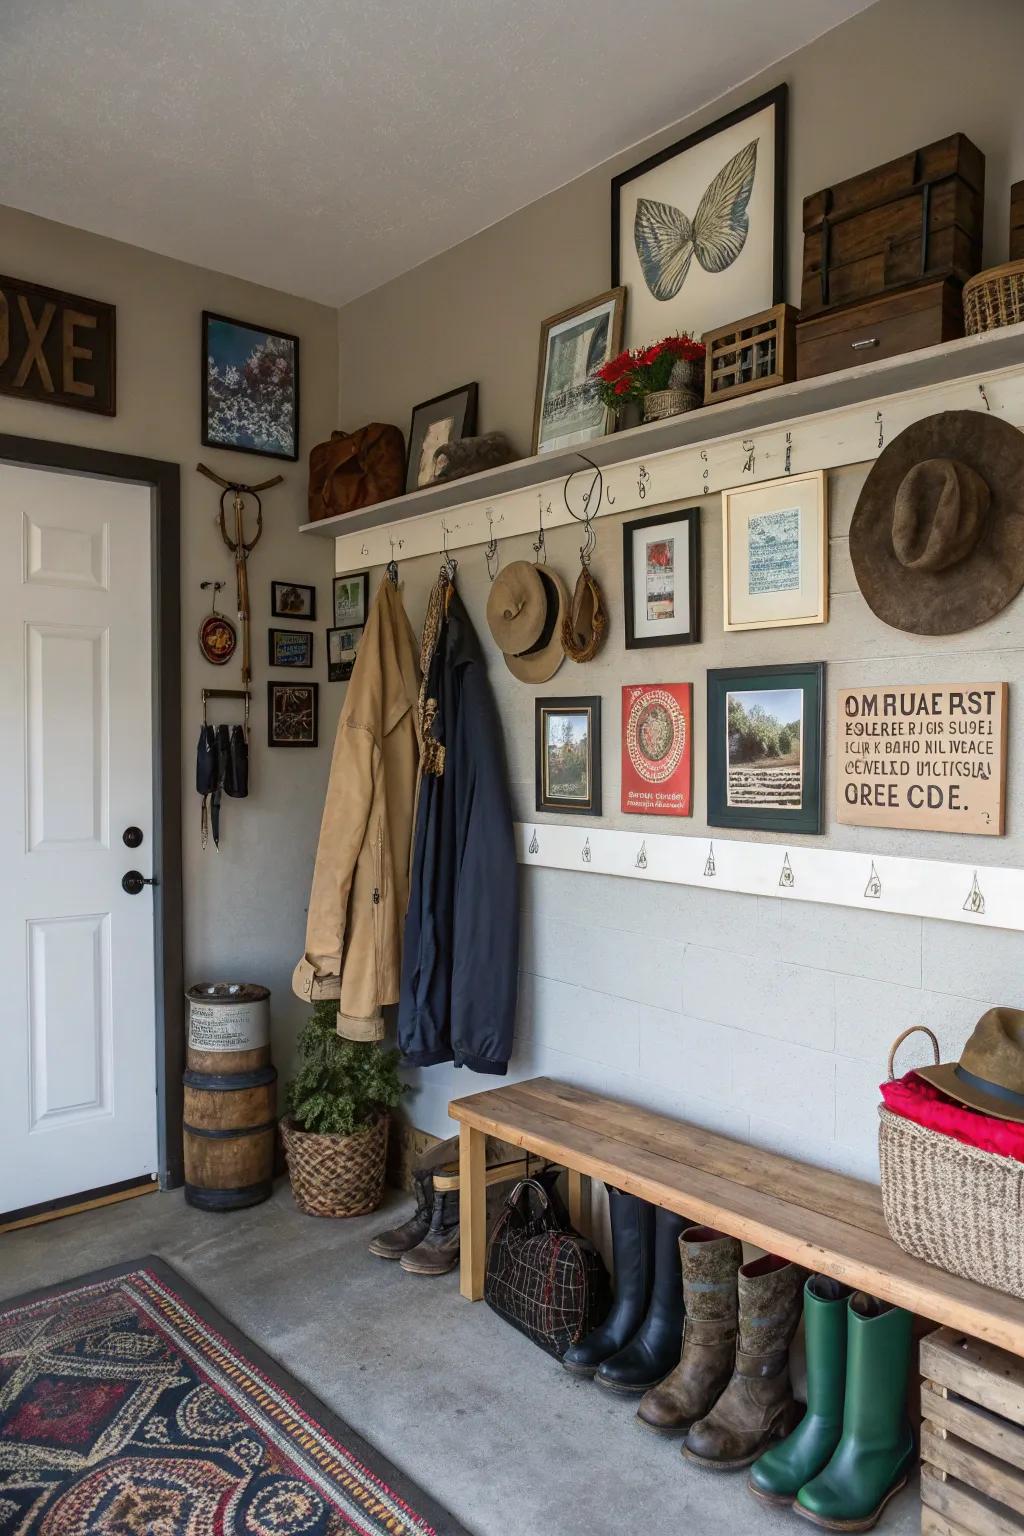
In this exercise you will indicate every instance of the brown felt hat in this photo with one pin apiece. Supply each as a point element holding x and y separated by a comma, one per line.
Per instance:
<point>937,538</point>
<point>525,610</point>
<point>990,1073</point>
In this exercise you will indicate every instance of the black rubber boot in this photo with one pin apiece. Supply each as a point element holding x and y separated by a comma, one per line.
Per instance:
<point>654,1349</point>
<point>632,1222</point>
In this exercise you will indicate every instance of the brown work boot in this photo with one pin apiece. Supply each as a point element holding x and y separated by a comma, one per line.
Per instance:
<point>408,1234</point>
<point>439,1251</point>
<point>757,1406</point>
<point>710,1265</point>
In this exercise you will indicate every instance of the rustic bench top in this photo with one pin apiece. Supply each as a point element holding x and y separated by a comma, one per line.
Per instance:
<point>825,1221</point>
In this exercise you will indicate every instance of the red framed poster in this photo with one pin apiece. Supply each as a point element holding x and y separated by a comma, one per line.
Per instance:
<point>657,749</point>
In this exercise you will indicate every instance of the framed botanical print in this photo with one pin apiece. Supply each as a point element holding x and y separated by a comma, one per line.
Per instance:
<point>292,600</point>
<point>342,645</point>
<point>568,409</point>
<point>657,749</point>
<point>250,382</point>
<point>567,738</point>
<point>351,599</point>
<point>445,419</point>
<point>291,647</point>
<point>661,579</point>
<point>775,552</point>
<point>698,229</point>
<point>765,759</point>
<point>292,714</point>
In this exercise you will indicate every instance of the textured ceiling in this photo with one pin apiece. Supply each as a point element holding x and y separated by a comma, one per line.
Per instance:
<point>324,146</point>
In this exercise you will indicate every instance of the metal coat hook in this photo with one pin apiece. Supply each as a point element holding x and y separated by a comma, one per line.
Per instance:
<point>643,481</point>
<point>391,569</point>
<point>705,474</point>
<point>881,430</point>
<point>984,395</point>
<point>449,566</point>
<point>750,451</point>
<point>540,548</point>
<point>591,507</point>
<point>789,453</point>
<point>491,548</point>
<point>364,549</point>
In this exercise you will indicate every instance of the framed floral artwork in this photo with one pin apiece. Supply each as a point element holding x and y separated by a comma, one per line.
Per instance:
<point>250,388</point>
<point>775,553</point>
<point>661,579</point>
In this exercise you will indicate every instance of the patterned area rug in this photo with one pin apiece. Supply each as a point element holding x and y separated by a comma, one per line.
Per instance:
<point>129,1407</point>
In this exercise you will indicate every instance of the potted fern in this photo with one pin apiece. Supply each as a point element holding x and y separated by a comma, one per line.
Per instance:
<point>336,1128</point>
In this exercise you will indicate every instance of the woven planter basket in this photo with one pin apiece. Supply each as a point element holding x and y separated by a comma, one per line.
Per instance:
<point>956,1206</point>
<point>670,402</point>
<point>994,298</point>
<point>337,1175</point>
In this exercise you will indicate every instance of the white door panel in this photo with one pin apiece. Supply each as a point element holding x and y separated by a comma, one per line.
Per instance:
<point>78,1090</point>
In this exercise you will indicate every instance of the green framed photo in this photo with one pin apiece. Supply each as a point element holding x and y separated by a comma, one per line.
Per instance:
<point>765,759</point>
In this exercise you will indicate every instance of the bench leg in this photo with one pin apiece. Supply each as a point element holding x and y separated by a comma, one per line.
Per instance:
<point>579,1201</point>
<point>472,1211</point>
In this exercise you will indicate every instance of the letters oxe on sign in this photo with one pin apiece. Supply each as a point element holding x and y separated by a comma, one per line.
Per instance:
<point>931,757</point>
<point>57,347</point>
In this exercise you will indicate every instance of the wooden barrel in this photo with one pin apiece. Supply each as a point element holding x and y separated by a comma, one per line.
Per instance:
<point>230,1097</point>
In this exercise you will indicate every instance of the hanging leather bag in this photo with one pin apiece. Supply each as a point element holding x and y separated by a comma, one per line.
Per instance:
<point>541,1276</point>
<point>356,469</point>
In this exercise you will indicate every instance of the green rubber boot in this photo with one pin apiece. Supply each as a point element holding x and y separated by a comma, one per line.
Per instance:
<point>871,1461</point>
<point>781,1472</point>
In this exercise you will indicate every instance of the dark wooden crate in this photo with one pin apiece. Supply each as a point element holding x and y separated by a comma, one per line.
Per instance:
<point>917,316</point>
<point>917,217</point>
<point>755,353</point>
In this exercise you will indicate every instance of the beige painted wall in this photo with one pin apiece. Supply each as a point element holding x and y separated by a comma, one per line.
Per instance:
<point>244,906</point>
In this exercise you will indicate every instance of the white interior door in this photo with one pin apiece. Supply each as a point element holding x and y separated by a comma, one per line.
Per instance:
<point>78,1068</point>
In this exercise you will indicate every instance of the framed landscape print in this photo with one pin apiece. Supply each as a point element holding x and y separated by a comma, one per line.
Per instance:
<point>765,747</point>
<point>351,599</point>
<point>250,388</point>
<point>657,749</point>
<point>292,600</point>
<point>342,645</point>
<point>775,552</point>
<point>292,714</point>
<point>698,229</point>
<point>568,409</point>
<point>567,739</point>
<point>445,419</point>
<point>291,647</point>
<point>661,579</point>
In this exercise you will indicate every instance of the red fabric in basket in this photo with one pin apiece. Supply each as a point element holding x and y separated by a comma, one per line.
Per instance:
<point>916,1100</point>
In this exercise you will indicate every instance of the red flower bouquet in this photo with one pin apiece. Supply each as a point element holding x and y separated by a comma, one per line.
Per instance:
<point>632,375</point>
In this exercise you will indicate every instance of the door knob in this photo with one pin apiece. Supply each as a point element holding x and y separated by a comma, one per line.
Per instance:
<point>132,837</point>
<point>133,882</point>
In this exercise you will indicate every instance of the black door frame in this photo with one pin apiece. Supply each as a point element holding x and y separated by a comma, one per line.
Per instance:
<point>164,480</point>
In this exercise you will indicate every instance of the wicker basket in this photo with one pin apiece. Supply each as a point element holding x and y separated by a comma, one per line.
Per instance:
<point>994,298</point>
<point>337,1175</point>
<point>953,1205</point>
<point>670,402</point>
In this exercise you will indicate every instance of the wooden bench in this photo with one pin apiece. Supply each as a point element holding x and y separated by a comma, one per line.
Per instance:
<point>825,1221</point>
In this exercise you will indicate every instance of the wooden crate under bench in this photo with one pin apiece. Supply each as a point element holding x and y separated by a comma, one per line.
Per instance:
<point>972,1437</point>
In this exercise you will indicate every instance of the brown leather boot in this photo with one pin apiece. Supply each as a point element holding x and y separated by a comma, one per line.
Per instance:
<point>757,1406</point>
<point>710,1265</point>
<point>439,1251</point>
<point>398,1240</point>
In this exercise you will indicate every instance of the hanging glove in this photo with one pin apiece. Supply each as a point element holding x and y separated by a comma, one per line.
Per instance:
<point>206,774</point>
<point>236,767</point>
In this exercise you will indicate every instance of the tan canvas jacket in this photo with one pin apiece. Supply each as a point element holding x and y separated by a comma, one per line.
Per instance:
<point>361,877</point>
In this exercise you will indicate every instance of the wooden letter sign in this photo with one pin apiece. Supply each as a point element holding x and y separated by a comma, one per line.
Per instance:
<point>56,347</point>
<point>931,757</point>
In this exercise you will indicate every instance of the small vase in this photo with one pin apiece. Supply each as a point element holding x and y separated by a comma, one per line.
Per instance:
<point>670,402</point>
<point>628,415</point>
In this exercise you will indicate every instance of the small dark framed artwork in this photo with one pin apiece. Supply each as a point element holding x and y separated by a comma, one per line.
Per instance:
<point>250,384</point>
<point>342,645</point>
<point>567,744</point>
<point>292,600</point>
<point>661,579</point>
<point>292,714</point>
<point>351,600</point>
<point>445,419</point>
<point>765,758</point>
<point>291,647</point>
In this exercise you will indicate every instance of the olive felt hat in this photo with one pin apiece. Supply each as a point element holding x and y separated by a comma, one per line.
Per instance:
<point>525,610</point>
<point>937,538</point>
<point>990,1073</point>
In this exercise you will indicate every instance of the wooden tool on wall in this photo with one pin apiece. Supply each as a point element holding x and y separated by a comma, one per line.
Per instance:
<point>241,547</point>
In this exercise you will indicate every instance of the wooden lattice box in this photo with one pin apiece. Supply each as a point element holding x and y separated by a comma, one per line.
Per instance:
<point>972,1438</point>
<point>754,353</point>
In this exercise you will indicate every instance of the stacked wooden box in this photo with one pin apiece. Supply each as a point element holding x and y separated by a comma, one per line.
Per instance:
<point>972,1438</point>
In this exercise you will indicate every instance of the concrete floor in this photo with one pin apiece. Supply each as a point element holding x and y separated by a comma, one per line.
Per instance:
<point>486,1422</point>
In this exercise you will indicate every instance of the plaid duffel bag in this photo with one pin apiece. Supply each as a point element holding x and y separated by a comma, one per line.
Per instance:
<point>541,1276</point>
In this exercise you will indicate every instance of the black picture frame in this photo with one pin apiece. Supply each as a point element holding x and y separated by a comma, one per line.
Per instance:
<point>362,577</point>
<point>341,671</point>
<point>274,636</point>
<point>691,635</point>
<point>590,706</point>
<point>277,593</point>
<point>233,445</point>
<point>809,677</point>
<point>312,736</point>
<point>429,411</point>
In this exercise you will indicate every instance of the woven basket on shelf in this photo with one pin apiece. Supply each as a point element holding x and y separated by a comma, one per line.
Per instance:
<point>955,1206</point>
<point>670,402</point>
<point>337,1175</point>
<point>994,298</point>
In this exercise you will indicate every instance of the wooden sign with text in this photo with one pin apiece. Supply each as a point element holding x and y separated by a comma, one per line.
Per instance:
<point>928,757</point>
<point>57,347</point>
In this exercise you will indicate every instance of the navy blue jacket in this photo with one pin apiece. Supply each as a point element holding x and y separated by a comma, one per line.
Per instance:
<point>460,956</point>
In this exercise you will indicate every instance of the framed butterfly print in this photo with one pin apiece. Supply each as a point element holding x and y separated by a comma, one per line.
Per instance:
<point>698,230</point>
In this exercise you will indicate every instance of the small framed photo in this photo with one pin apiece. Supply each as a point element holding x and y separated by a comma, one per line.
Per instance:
<point>568,409</point>
<point>775,552</point>
<point>765,728</point>
<point>292,714</point>
<point>567,739</point>
<point>661,579</point>
<point>250,388</point>
<point>351,600</point>
<point>445,419</point>
<point>342,645</point>
<point>657,749</point>
<point>292,600</point>
<point>291,647</point>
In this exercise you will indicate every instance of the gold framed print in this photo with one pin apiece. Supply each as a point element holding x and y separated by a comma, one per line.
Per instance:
<point>775,553</point>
